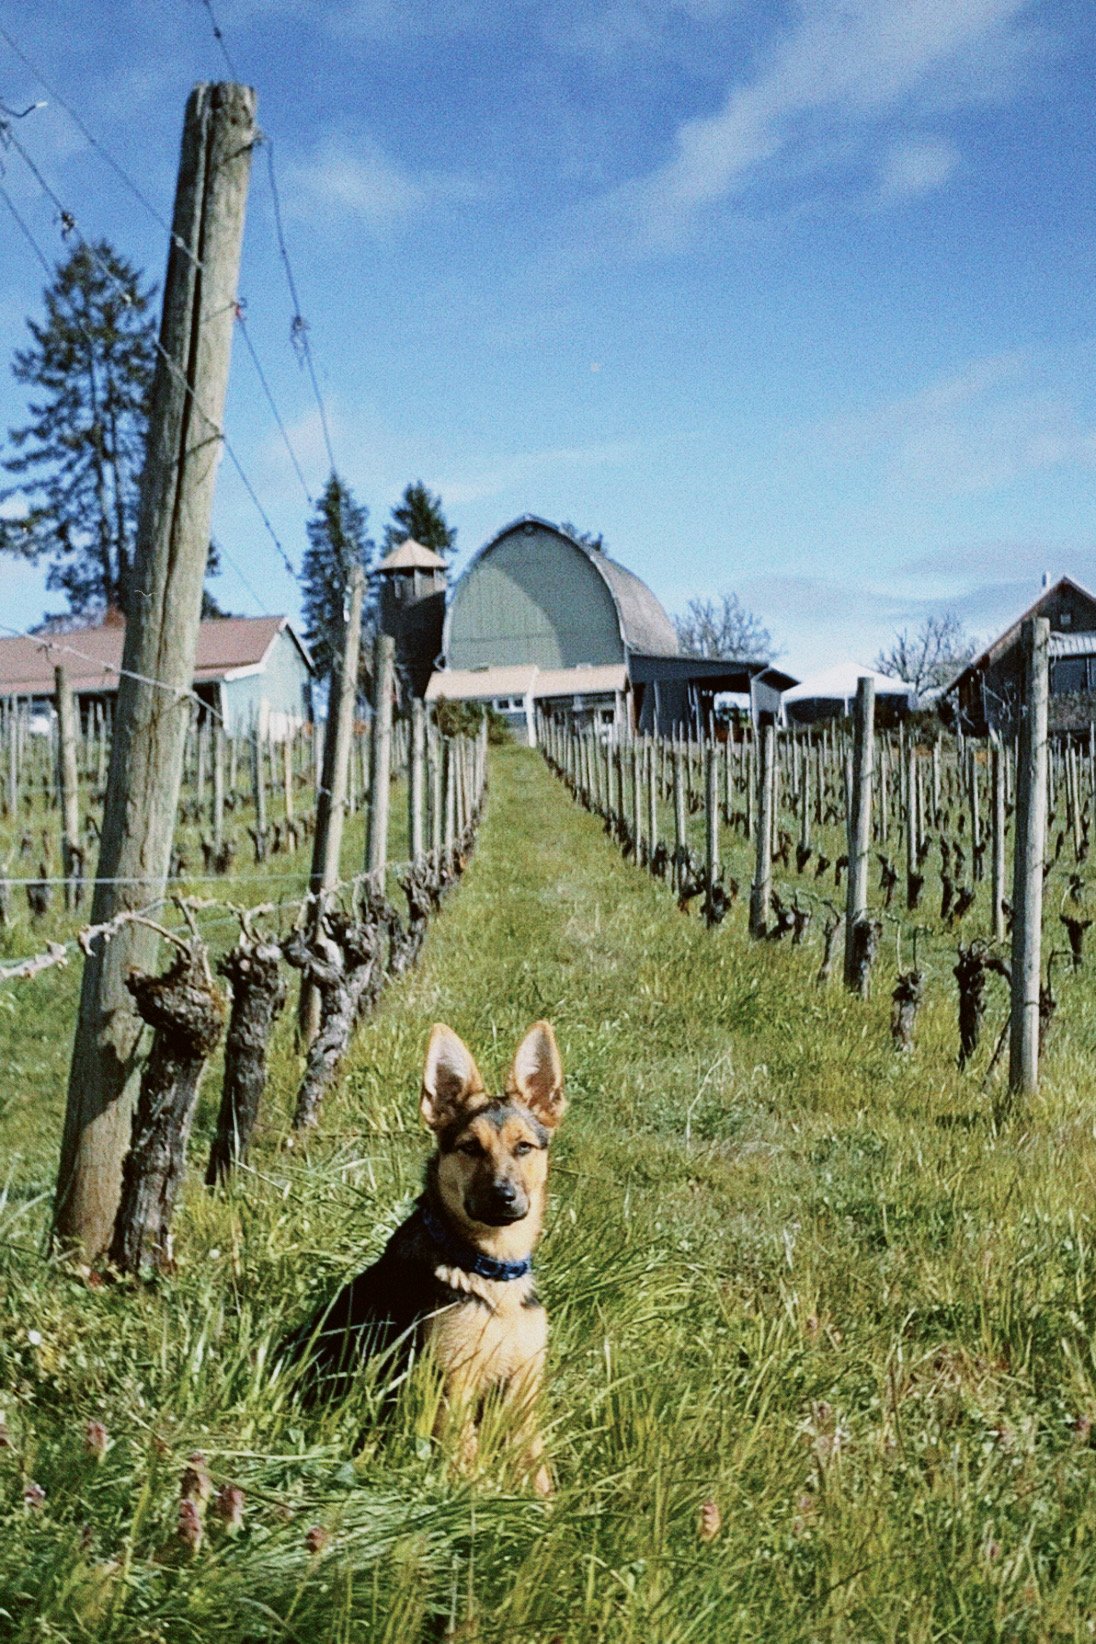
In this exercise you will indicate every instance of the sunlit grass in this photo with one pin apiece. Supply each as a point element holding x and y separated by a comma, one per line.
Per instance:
<point>786,1270</point>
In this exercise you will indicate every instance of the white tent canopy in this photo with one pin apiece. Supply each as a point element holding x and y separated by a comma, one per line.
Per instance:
<point>839,684</point>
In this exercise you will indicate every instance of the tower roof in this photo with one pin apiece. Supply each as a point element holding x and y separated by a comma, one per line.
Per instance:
<point>411,556</point>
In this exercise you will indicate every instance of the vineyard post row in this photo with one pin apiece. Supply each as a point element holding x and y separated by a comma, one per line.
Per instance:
<point>881,789</point>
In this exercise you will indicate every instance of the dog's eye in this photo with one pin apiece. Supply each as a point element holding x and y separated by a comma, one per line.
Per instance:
<point>470,1148</point>
<point>522,1149</point>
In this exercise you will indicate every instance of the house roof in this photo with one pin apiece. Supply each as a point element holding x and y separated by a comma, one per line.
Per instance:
<point>411,556</point>
<point>1077,643</point>
<point>93,656</point>
<point>644,625</point>
<point>1001,644</point>
<point>474,684</point>
<point>839,684</point>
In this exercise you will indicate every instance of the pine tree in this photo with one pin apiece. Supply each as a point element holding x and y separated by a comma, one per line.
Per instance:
<point>77,462</point>
<point>337,536</point>
<point>418,515</point>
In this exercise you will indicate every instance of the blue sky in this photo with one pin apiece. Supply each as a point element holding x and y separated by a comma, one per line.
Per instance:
<point>786,299</point>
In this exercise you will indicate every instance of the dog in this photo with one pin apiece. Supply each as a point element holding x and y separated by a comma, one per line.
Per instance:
<point>455,1279</point>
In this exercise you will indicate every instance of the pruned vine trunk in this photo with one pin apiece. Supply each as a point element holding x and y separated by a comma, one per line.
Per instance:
<point>186,1012</point>
<point>252,968</point>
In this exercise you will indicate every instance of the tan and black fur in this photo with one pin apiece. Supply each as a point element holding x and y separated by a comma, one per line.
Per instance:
<point>484,1196</point>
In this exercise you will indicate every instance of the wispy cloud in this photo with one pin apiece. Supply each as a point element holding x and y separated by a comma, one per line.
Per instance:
<point>972,430</point>
<point>844,66</point>
<point>352,177</point>
<point>525,466</point>
<point>916,166</point>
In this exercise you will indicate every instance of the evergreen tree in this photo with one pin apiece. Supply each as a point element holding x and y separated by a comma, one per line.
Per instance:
<point>418,515</point>
<point>337,537</point>
<point>76,464</point>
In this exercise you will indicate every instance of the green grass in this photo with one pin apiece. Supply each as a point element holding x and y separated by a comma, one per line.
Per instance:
<point>786,1271</point>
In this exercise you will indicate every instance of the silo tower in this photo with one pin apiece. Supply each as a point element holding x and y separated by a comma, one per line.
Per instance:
<point>410,583</point>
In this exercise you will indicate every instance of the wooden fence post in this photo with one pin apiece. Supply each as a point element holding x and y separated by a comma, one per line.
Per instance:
<point>711,795</point>
<point>856,901</point>
<point>71,851</point>
<point>416,776</point>
<point>331,797</point>
<point>376,848</point>
<point>1028,854</point>
<point>184,448</point>
<point>762,890</point>
<point>997,767</point>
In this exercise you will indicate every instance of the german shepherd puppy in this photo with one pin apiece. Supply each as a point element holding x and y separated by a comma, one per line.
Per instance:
<point>456,1277</point>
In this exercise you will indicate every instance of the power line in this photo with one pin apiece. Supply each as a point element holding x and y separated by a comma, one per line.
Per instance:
<point>156,215</point>
<point>220,39</point>
<point>69,225</point>
<point>299,327</point>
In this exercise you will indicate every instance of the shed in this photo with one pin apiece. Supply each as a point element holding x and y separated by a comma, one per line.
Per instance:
<point>831,694</point>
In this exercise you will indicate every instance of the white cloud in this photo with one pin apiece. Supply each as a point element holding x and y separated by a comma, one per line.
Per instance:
<point>353,178</point>
<point>517,470</point>
<point>844,65</point>
<point>916,167</point>
<point>973,430</point>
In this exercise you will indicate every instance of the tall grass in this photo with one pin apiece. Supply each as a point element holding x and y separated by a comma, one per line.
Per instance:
<point>787,1272</point>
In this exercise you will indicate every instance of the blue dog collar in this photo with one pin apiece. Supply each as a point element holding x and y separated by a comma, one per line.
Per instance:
<point>459,1254</point>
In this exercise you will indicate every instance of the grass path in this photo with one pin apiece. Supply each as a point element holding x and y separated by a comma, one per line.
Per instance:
<point>786,1273</point>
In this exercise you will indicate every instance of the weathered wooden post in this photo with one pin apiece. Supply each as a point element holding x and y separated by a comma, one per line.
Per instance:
<point>69,782</point>
<point>711,795</point>
<point>416,779</point>
<point>331,798</point>
<point>287,772</point>
<point>997,912</point>
<point>376,845</point>
<point>859,825</point>
<point>1028,854</point>
<point>680,837</point>
<point>184,448</point>
<point>762,889</point>
<point>218,813</point>
<point>434,781</point>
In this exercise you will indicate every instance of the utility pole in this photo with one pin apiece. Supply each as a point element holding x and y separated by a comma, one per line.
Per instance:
<point>184,449</point>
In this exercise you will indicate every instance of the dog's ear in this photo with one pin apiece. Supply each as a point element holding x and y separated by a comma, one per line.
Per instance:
<point>536,1077</point>
<point>450,1078</point>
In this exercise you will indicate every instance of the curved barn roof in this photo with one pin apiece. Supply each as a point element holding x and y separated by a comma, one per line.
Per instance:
<point>644,625</point>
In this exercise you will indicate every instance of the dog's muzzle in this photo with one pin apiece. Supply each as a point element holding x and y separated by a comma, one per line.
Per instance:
<point>498,1205</point>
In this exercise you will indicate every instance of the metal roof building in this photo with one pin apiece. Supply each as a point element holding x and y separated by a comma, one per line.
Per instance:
<point>535,596</point>
<point>251,671</point>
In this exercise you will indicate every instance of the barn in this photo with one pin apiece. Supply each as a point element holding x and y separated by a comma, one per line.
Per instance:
<point>251,672</point>
<point>536,597</point>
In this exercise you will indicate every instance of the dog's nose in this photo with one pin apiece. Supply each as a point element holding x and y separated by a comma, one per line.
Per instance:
<point>506,1193</point>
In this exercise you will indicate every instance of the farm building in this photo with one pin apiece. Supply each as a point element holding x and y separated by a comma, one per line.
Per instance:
<point>984,696</point>
<point>832,693</point>
<point>602,647</point>
<point>410,584</point>
<point>250,671</point>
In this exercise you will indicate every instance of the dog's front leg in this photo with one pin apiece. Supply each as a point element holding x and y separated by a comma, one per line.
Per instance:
<point>524,1392</point>
<point>455,1425</point>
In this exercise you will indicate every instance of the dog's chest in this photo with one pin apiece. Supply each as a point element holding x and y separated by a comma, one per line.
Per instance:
<point>494,1332</point>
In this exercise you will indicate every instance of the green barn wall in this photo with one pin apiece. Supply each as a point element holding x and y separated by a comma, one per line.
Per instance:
<point>533,598</point>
